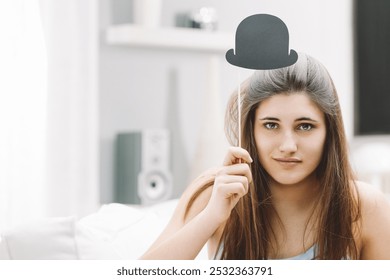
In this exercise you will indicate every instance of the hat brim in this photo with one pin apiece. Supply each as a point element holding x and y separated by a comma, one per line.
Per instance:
<point>261,63</point>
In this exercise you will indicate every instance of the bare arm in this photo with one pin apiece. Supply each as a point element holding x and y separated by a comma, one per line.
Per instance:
<point>375,224</point>
<point>183,238</point>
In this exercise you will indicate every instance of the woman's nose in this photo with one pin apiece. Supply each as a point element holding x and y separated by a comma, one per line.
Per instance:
<point>288,144</point>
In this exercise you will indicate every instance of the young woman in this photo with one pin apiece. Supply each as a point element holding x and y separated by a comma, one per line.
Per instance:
<point>289,192</point>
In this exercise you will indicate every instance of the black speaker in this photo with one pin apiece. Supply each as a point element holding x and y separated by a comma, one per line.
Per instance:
<point>143,173</point>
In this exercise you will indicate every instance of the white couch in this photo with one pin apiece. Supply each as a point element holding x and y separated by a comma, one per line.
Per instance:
<point>116,231</point>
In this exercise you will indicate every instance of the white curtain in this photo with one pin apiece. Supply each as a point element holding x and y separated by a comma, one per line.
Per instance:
<point>71,33</point>
<point>48,109</point>
<point>22,112</point>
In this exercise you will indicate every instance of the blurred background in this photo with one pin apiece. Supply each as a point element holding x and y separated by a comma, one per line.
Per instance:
<point>107,101</point>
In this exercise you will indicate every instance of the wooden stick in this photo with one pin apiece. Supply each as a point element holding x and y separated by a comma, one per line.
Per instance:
<point>239,108</point>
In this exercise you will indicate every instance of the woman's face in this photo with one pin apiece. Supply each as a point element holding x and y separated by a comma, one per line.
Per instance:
<point>290,134</point>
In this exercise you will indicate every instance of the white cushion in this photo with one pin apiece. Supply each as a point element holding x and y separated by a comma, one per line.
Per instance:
<point>121,231</point>
<point>116,231</point>
<point>47,239</point>
<point>3,251</point>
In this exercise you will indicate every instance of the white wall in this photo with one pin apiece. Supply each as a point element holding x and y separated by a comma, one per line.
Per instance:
<point>176,82</point>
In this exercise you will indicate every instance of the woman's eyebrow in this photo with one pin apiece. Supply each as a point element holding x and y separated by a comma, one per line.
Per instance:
<point>269,119</point>
<point>297,120</point>
<point>305,119</point>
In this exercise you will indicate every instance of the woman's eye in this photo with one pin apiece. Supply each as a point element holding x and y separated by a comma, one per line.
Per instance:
<point>305,126</point>
<point>271,125</point>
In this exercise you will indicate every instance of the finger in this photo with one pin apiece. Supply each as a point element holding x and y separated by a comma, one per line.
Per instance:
<point>236,169</point>
<point>235,154</point>
<point>231,189</point>
<point>231,179</point>
<point>242,180</point>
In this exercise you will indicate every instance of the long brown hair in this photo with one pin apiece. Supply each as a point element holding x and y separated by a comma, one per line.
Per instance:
<point>248,233</point>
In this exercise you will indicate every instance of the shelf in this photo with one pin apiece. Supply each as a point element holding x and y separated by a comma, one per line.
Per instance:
<point>170,38</point>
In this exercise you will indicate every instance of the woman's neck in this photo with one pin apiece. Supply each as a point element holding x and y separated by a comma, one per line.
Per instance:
<point>295,219</point>
<point>297,197</point>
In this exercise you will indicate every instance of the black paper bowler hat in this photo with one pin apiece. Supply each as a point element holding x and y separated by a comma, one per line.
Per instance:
<point>262,43</point>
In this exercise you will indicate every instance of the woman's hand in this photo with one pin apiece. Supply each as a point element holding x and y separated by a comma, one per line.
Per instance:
<point>231,183</point>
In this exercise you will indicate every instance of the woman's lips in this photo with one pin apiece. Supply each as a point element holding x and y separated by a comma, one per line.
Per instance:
<point>288,161</point>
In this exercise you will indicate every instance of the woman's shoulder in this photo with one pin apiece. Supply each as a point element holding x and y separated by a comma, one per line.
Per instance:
<point>373,201</point>
<point>371,197</point>
<point>375,221</point>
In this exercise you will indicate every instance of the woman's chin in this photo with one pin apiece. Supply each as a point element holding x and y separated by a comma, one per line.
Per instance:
<point>292,179</point>
<point>287,182</point>
<point>289,179</point>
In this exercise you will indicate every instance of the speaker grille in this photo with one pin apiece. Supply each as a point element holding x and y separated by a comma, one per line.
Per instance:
<point>142,167</point>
